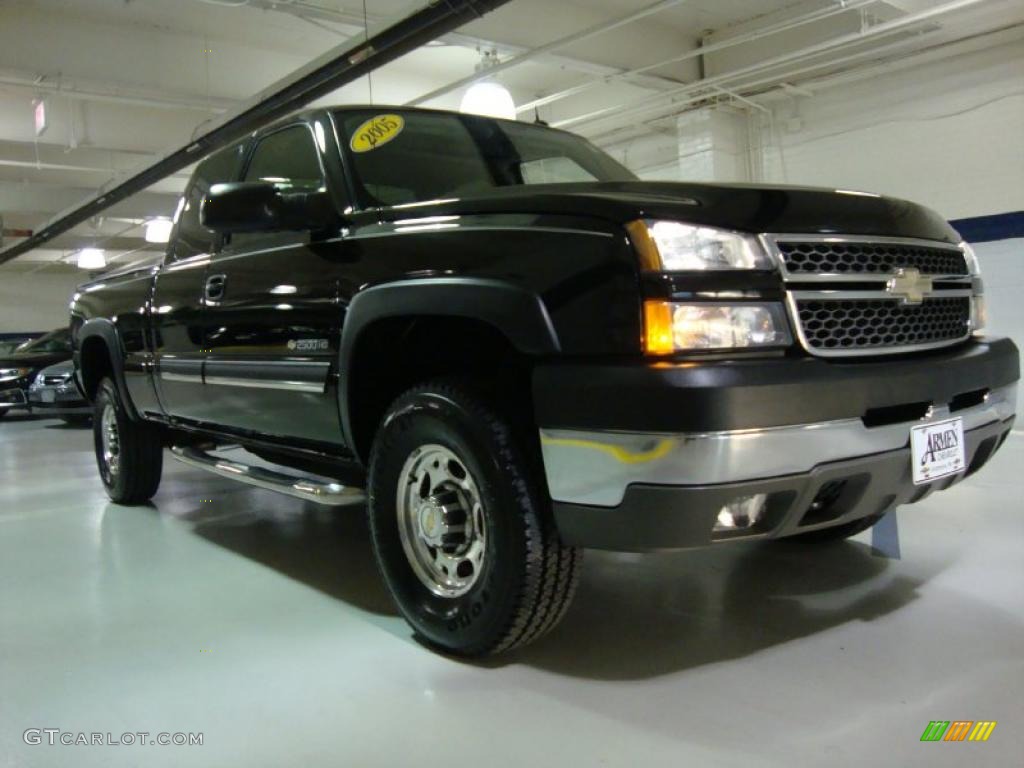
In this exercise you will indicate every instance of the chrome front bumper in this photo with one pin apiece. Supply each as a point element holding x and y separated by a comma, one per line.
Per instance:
<point>595,468</point>
<point>12,398</point>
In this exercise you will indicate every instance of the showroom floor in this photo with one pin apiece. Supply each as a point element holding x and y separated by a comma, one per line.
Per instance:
<point>261,623</point>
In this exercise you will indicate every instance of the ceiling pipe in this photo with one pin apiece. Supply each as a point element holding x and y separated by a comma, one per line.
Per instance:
<point>336,68</point>
<point>828,46</point>
<point>771,82</point>
<point>757,34</point>
<point>39,85</point>
<point>592,31</point>
<point>681,106</point>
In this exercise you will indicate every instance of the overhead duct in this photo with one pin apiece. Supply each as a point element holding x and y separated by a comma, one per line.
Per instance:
<point>331,71</point>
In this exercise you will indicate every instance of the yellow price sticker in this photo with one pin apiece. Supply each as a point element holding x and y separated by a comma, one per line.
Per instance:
<point>376,132</point>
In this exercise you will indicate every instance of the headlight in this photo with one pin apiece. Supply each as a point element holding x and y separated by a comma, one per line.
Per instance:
<point>672,327</point>
<point>674,246</point>
<point>10,374</point>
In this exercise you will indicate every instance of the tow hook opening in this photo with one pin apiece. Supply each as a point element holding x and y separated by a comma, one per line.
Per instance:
<point>895,414</point>
<point>834,499</point>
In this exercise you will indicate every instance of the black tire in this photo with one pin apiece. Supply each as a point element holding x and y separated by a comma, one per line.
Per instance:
<point>526,578</point>
<point>836,533</point>
<point>135,475</point>
<point>3,412</point>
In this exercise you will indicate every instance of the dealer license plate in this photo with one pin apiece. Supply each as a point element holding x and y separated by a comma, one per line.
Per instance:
<point>937,450</point>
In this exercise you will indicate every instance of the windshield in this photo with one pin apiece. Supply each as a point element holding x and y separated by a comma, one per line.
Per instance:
<point>52,343</point>
<point>403,157</point>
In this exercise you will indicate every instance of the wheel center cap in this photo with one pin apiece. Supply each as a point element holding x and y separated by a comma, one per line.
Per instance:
<point>430,520</point>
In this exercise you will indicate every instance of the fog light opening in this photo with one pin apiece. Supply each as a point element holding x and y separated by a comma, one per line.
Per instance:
<point>742,513</point>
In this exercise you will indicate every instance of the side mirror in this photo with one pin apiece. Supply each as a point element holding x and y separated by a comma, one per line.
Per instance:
<point>260,206</point>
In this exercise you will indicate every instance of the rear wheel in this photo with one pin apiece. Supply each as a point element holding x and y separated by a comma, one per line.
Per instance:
<point>3,412</point>
<point>461,525</point>
<point>129,453</point>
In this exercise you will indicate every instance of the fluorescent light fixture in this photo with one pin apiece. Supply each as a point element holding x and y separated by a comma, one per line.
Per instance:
<point>39,112</point>
<point>490,99</point>
<point>92,258</point>
<point>158,230</point>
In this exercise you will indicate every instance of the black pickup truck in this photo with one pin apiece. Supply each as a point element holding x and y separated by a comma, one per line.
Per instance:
<point>516,349</point>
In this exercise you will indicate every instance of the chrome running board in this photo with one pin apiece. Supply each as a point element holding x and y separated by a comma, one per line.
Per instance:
<point>319,491</point>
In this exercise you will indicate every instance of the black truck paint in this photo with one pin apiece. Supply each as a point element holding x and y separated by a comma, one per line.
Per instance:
<point>294,342</point>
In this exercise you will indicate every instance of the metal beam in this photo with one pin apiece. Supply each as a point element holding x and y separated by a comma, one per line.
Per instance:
<point>331,71</point>
<point>592,31</point>
<point>353,19</point>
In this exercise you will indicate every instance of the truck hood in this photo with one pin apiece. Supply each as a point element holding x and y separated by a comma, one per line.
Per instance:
<point>744,207</point>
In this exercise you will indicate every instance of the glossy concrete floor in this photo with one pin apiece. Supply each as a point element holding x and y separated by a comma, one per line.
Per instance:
<point>260,622</point>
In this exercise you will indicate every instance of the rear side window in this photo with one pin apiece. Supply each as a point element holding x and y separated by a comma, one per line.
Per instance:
<point>191,239</point>
<point>288,156</point>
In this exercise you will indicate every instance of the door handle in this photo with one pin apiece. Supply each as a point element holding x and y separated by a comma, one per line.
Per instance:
<point>215,287</point>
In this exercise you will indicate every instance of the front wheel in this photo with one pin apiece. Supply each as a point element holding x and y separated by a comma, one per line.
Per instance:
<point>129,454</point>
<point>3,412</point>
<point>461,526</point>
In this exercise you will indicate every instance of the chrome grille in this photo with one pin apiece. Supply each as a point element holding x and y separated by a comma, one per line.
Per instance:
<point>842,258</point>
<point>866,324</point>
<point>852,296</point>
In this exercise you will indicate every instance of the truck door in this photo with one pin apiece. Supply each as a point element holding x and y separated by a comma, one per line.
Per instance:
<point>178,326</point>
<point>273,320</point>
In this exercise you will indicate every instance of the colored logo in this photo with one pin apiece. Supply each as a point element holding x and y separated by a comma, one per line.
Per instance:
<point>376,132</point>
<point>958,730</point>
<point>909,285</point>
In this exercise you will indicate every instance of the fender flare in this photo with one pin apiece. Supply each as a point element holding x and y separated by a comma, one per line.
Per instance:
<point>104,329</point>
<point>519,314</point>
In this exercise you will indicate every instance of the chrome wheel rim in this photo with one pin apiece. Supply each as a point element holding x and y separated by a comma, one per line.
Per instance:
<point>441,521</point>
<point>110,440</point>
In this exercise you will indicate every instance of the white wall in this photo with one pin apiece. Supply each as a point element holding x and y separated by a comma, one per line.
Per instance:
<point>948,134</point>
<point>35,302</point>
<point>1002,265</point>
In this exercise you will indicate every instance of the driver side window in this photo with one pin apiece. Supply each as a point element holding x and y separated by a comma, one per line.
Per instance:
<point>190,237</point>
<point>287,157</point>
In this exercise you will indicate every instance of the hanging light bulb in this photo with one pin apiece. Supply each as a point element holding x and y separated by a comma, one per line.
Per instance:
<point>488,97</point>
<point>92,258</point>
<point>158,230</point>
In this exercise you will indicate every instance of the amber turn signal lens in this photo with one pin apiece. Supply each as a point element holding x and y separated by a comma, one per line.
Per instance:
<point>658,334</point>
<point>644,245</point>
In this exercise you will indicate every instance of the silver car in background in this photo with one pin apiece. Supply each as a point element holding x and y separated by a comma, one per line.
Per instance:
<point>53,392</point>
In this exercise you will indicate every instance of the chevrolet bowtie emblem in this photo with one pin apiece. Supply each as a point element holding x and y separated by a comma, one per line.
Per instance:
<point>910,285</point>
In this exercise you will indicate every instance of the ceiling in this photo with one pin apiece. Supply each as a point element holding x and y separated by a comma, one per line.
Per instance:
<point>126,80</point>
